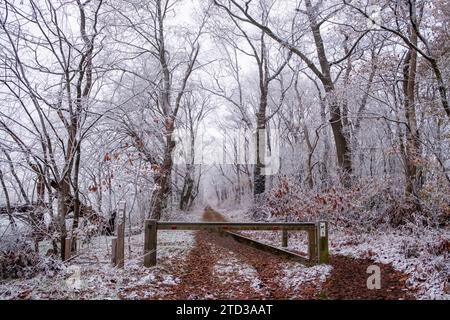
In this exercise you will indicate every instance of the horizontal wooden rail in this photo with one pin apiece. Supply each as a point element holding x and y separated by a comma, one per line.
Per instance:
<point>228,226</point>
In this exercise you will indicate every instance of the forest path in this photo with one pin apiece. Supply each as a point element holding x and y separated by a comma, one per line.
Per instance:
<point>206,265</point>
<point>219,267</point>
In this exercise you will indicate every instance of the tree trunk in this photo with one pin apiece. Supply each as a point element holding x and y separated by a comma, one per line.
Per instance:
<point>342,147</point>
<point>324,178</point>
<point>309,165</point>
<point>163,177</point>
<point>412,170</point>
<point>441,86</point>
<point>63,199</point>
<point>188,187</point>
<point>14,174</point>
<point>259,179</point>
<point>8,204</point>
<point>76,204</point>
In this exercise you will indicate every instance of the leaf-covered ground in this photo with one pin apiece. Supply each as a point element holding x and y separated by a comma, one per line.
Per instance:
<point>203,265</point>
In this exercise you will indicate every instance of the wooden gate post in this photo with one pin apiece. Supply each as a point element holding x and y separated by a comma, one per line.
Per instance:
<point>312,245</point>
<point>114,252</point>
<point>284,238</point>
<point>150,240</point>
<point>67,248</point>
<point>322,236</point>
<point>120,245</point>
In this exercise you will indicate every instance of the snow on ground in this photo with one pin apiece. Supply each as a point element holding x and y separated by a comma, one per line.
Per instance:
<point>193,215</point>
<point>236,214</point>
<point>91,276</point>
<point>415,255</point>
<point>231,269</point>
<point>295,276</point>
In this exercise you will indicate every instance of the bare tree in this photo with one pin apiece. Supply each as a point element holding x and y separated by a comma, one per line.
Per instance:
<point>242,11</point>
<point>171,84</point>
<point>68,103</point>
<point>195,109</point>
<point>258,48</point>
<point>413,25</point>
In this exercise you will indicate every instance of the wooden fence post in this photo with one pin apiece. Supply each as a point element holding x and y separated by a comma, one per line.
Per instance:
<point>150,240</point>
<point>312,245</point>
<point>120,245</point>
<point>67,248</point>
<point>284,238</point>
<point>322,236</point>
<point>114,252</point>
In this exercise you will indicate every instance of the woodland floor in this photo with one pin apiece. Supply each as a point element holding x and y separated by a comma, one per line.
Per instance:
<point>346,281</point>
<point>205,265</point>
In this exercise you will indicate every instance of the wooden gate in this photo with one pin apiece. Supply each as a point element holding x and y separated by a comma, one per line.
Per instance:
<point>317,235</point>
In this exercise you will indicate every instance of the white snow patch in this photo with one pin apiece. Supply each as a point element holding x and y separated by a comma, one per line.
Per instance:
<point>295,275</point>
<point>236,214</point>
<point>227,270</point>
<point>91,276</point>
